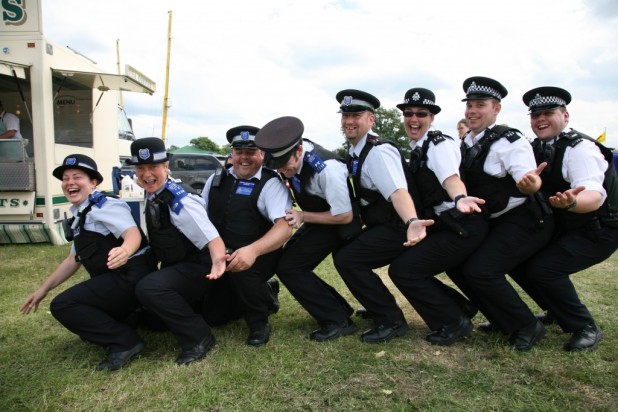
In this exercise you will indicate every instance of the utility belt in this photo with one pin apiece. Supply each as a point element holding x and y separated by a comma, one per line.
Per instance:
<point>454,220</point>
<point>349,230</point>
<point>533,210</point>
<point>598,222</point>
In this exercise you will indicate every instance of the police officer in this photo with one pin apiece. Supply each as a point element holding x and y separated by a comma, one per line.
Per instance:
<point>387,210</point>
<point>187,245</point>
<point>319,182</point>
<point>498,166</point>
<point>108,243</point>
<point>460,228</point>
<point>247,204</point>
<point>580,182</point>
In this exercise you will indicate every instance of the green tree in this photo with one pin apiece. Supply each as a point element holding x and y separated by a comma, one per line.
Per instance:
<point>172,147</point>
<point>204,143</point>
<point>388,124</point>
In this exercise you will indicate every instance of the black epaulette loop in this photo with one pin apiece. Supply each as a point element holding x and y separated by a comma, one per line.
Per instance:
<point>374,140</point>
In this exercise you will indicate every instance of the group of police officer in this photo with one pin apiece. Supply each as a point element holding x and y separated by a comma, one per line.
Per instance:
<point>495,206</point>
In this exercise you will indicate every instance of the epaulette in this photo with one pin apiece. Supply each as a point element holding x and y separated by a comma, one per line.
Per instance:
<point>374,139</point>
<point>436,137</point>
<point>573,137</point>
<point>97,199</point>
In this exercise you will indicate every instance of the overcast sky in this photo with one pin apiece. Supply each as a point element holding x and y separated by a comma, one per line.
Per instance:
<point>239,62</point>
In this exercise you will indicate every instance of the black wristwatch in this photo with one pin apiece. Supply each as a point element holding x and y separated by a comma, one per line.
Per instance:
<point>412,219</point>
<point>458,198</point>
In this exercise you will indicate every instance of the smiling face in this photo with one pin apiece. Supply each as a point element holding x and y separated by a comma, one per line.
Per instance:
<point>417,120</point>
<point>246,162</point>
<point>77,185</point>
<point>548,124</point>
<point>481,114</point>
<point>152,176</point>
<point>356,125</point>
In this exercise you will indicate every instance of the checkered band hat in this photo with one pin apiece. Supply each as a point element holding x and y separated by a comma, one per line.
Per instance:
<point>420,97</point>
<point>478,88</point>
<point>546,98</point>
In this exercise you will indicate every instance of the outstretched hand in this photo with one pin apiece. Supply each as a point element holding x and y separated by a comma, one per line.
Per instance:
<point>561,200</point>
<point>531,182</point>
<point>417,231</point>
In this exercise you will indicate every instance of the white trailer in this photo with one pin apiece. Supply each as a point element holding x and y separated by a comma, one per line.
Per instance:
<point>65,105</point>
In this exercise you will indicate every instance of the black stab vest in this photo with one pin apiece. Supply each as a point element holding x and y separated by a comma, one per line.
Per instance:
<point>236,216</point>
<point>92,248</point>
<point>496,191</point>
<point>168,243</point>
<point>429,187</point>
<point>554,182</point>
<point>377,210</point>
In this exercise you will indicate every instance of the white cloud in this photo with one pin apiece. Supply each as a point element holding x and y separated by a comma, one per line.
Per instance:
<point>246,62</point>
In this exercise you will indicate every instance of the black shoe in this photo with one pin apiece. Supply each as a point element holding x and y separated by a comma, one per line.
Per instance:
<point>546,318</point>
<point>487,327</point>
<point>272,286</point>
<point>333,331</point>
<point>585,339</point>
<point>117,360</point>
<point>197,352</point>
<point>363,313</point>
<point>259,335</point>
<point>448,334</point>
<point>523,340</point>
<point>384,333</point>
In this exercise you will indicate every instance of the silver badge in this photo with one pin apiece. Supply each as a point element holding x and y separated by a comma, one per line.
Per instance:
<point>144,153</point>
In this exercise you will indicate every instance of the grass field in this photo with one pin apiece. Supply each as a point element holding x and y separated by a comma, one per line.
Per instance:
<point>43,367</point>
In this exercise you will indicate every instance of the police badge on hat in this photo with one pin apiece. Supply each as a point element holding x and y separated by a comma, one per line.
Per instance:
<point>480,88</point>
<point>546,98</point>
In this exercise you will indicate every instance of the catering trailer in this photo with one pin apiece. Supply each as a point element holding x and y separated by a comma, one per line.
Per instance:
<point>65,105</point>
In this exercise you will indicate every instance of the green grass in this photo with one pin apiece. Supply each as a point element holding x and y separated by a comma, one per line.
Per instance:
<point>43,367</point>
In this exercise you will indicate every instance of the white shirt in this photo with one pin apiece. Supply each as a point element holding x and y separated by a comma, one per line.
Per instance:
<point>382,170</point>
<point>443,160</point>
<point>114,216</point>
<point>584,165</point>
<point>330,184</point>
<point>504,157</point>
<point>11,122</point>
<point>192,220</point>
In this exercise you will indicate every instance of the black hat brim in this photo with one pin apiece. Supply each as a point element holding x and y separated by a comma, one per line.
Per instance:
<point>92,174</point>
<point>277,162</point>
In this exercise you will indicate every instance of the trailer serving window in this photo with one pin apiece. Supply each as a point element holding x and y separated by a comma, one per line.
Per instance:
<point>74,104</point>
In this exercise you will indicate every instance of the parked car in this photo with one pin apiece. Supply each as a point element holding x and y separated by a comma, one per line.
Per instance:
<point>193,169</point>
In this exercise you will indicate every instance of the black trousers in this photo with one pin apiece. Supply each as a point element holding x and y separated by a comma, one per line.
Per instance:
<point>512,239</point>
<point>174,293</point>
<point>414,271</point>
<point>242,294</point>
<point>309,246</point>
<point>373,248</point>
<point>546,276</point>
<point>95,309</point>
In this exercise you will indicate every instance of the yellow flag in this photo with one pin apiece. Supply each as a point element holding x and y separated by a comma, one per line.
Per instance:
<point>601,139</point>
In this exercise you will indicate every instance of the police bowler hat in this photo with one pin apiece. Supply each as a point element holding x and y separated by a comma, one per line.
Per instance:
<point>546,98</point>
<point>278,138</point>
<point>242,137</point>
<point>148,150</point>
<point>81,162</point>
<point>420,97</point>
<point>480,88</point>
<point>354,101</point>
